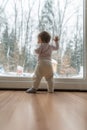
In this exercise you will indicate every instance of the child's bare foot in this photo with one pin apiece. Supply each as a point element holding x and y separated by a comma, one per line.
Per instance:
<point>31,90</point>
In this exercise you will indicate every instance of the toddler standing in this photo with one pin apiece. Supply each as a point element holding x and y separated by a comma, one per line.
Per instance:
<point>44,65</point>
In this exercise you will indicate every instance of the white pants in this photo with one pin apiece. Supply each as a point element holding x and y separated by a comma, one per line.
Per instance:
<point>43,69</point>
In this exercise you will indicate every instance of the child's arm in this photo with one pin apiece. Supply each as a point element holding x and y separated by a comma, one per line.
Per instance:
<point>38,50</point>
<point>56,39</point>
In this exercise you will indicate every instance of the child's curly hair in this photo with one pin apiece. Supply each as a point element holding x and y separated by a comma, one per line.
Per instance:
<point>45,37</point>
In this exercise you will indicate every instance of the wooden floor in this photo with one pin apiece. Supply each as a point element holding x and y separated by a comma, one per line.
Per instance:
<point>43,111</point>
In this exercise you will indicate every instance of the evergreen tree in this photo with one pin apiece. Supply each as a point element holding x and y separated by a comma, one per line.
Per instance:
<point>74,50</point>
<point>10,49</point>
<point>2,54</point>
<point>5,40</point>
<point>77,54</point>
<point>47,16</point>
<point>5,44</point>
<point>67,67</point>
<point>14,51</point>
<point>12,42</point>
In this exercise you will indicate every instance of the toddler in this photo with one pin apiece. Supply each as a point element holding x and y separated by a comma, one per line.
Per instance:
<point>44,65</point>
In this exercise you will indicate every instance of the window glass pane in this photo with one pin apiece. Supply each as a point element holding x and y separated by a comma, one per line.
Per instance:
<point>20,23</point>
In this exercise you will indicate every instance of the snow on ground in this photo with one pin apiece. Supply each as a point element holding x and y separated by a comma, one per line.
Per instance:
<point>14,74</point>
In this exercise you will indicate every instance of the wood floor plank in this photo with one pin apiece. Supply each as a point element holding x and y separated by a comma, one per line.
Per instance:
<point>43,111</point>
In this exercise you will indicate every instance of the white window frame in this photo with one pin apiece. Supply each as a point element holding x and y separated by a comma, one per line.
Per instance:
<point>74,84</point>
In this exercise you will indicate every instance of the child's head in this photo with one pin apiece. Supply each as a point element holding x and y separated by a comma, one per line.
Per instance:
<point>44,37</point>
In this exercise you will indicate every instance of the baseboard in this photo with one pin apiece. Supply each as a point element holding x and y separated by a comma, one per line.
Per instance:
<point>56,90</point>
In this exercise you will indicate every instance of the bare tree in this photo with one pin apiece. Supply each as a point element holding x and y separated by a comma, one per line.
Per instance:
<point>27,29</point>
<point>3,5</point>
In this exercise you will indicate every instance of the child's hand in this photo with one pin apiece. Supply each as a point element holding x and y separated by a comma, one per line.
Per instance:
<point>56,39</point>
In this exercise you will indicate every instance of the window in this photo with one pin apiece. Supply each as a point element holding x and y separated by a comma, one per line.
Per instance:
<point>20,22</point>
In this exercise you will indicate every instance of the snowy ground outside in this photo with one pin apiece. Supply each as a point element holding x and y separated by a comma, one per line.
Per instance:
<point>30,75</point>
